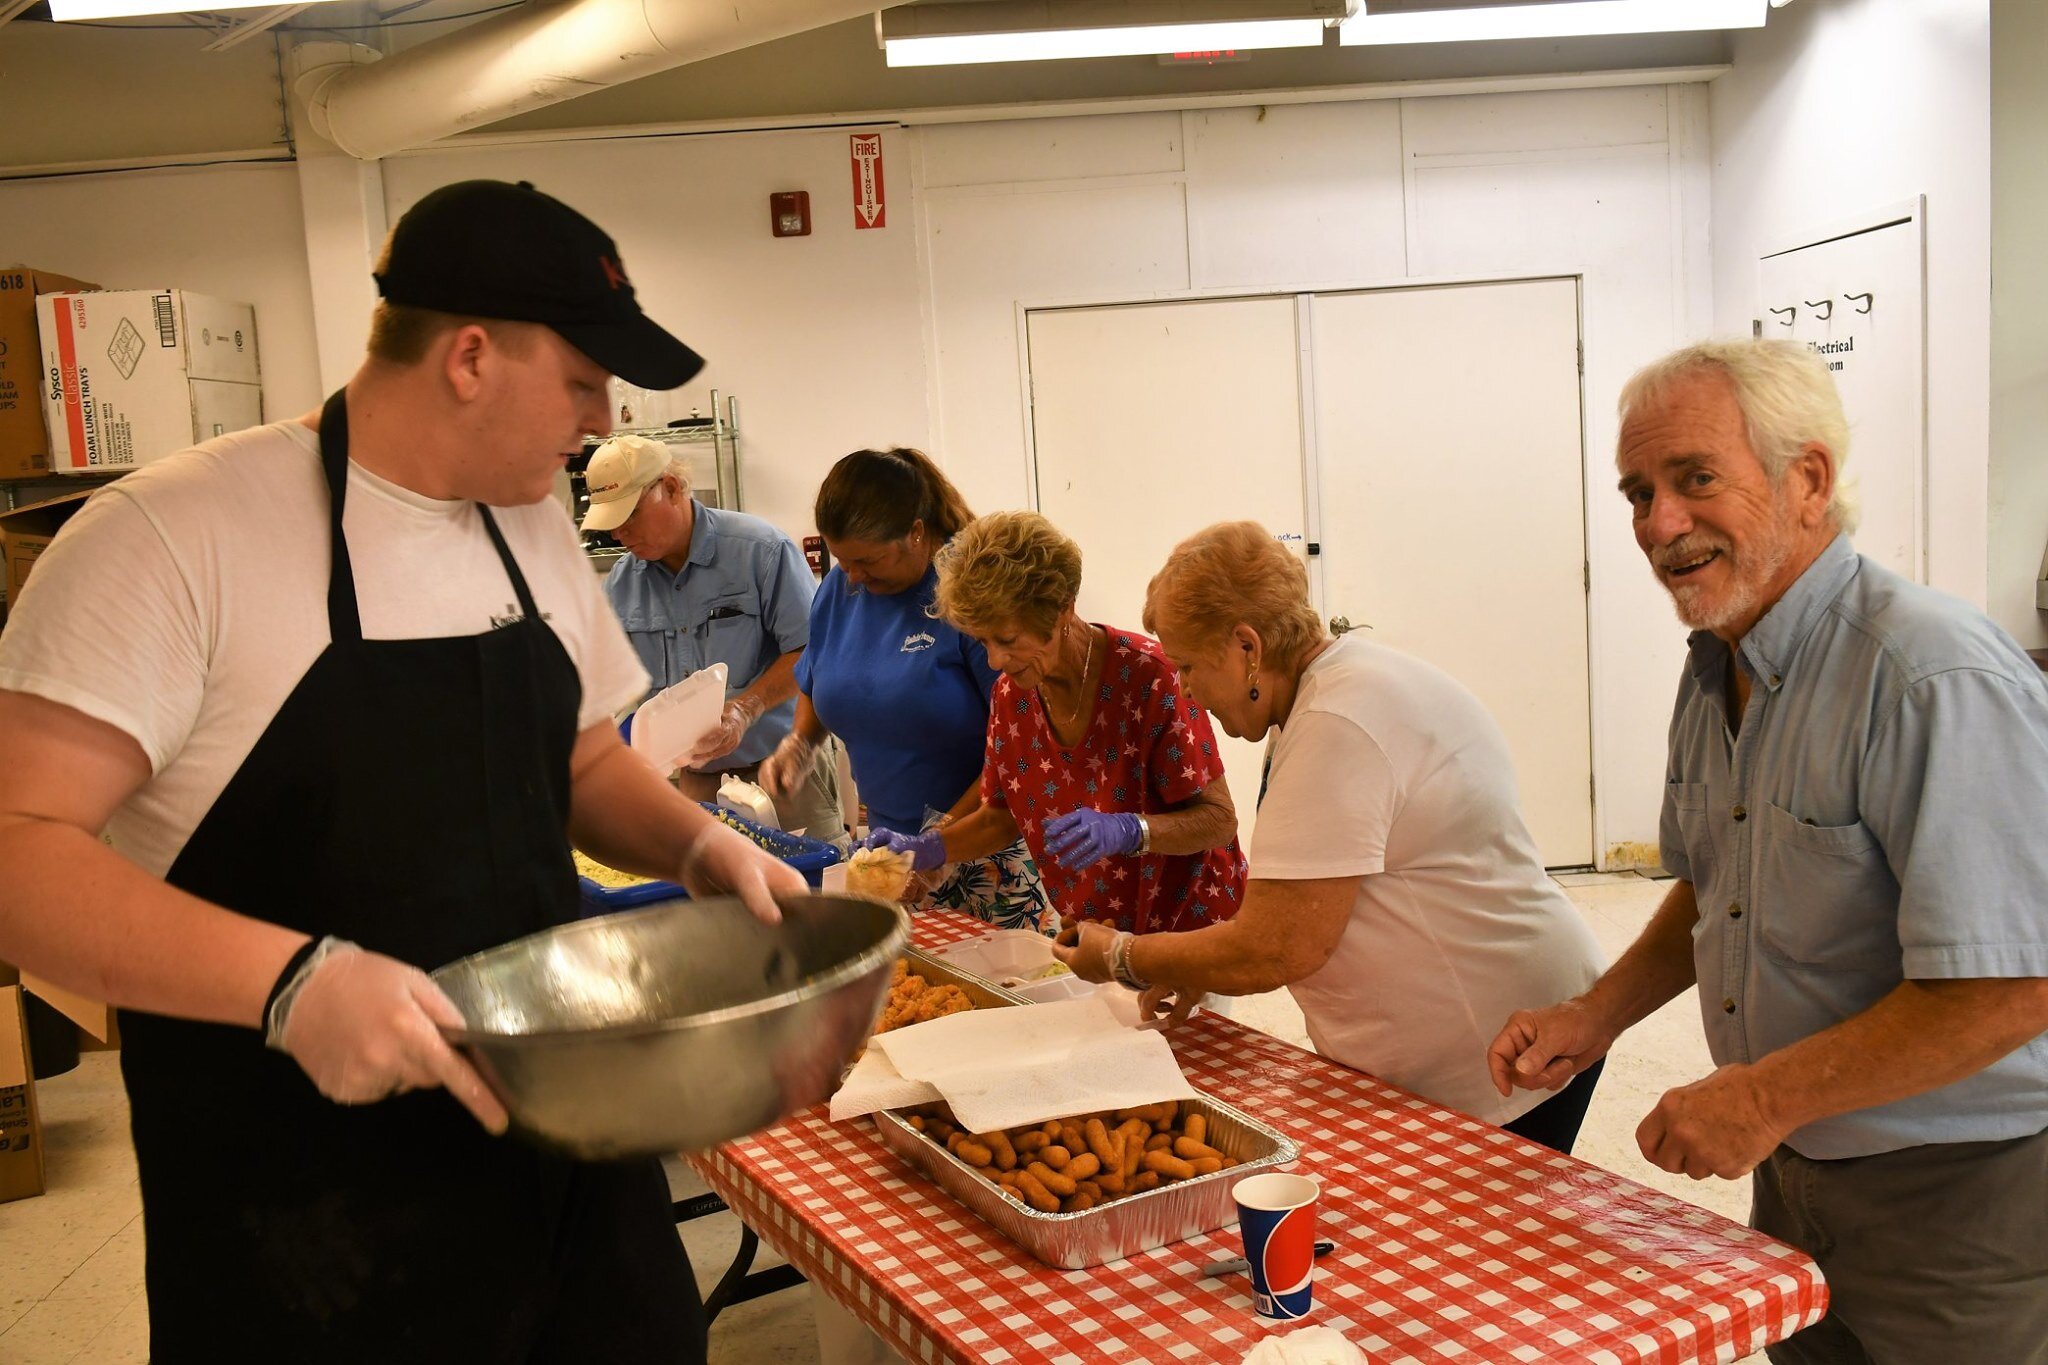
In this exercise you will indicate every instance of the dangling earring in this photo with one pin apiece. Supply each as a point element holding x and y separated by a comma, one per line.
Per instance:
<point>1253,679</point>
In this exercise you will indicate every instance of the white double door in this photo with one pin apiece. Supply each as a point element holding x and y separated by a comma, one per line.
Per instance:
<point>1421,447</point>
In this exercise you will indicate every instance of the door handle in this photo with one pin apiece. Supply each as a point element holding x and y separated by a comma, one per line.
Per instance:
<point>1340,625</point>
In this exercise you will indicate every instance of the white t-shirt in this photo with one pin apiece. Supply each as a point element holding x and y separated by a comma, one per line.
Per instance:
<point>1390,770</point>
<point>183,605</point>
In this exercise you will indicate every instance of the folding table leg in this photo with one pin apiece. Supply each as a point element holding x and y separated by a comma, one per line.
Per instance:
<point>741,1282</point>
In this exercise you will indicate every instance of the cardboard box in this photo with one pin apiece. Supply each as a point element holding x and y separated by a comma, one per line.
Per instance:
<point>131,375</point>
<point>24,436</point>
<point>21,1128</point>
<point>26,532</point>
<point>95,1018</point>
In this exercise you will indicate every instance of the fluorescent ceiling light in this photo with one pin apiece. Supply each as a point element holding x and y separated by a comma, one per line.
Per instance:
<point>1141,41</point>
<point>124,9</point>
<point>1563,19</point>
<point>944,32</point>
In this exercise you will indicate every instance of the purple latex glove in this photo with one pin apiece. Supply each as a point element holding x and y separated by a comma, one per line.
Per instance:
<point>1082,838</point>
<point>926,850</point>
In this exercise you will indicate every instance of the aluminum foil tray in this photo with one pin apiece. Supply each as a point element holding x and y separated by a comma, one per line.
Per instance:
<point>1122,1227</point>
<point>984,993</point>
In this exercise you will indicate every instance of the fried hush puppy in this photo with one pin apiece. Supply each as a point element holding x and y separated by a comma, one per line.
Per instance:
<point>1069,1165</point>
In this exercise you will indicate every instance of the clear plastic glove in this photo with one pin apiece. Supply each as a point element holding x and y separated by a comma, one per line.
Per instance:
<point>739,716</point>
<point>927,850</point>
<point>1165,1007</point>
<point>1082,838</point>
<point>1084,947</point>
<point>784,770</point>
<point>366,1027</point>
<point>724,861</point>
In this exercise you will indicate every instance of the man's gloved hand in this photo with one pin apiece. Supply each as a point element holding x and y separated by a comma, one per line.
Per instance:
<point>739,716</point>
<point>366,1027</point>
<point>782,771</point>
<point>1082,838</point>
<point>1164,1007</point>
<point>723,860</point>
<point>926,850</point>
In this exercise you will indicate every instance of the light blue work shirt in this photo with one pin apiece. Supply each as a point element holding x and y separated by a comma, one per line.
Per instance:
<point>742,599</point>
<point>1880,816</point>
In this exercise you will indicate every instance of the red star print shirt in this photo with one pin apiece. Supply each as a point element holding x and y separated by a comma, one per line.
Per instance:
<point>1146,750</point>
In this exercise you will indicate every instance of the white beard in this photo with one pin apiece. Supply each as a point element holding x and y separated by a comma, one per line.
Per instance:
<point>1749,572</point>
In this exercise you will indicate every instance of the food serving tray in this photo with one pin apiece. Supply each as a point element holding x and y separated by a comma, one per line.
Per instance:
<point>984,993</point>
<point>1123,1227</point>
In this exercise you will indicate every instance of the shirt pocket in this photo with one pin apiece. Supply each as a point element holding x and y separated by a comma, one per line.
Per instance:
<point>734,621</point>
<point>665,652</point>
<point>1695,834</point>
<point>1825,896</point>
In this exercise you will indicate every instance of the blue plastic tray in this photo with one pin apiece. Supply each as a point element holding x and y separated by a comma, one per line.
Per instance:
<point>808,856</point>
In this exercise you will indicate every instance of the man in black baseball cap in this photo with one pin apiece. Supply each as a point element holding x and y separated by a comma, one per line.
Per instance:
<point>489,249</point>
<point>367,741</point>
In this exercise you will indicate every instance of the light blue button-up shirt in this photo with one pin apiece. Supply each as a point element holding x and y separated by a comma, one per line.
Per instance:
<point>1880,816</point>
<point>742,599</point>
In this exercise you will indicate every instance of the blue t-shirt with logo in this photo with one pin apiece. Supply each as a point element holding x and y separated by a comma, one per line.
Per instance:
<point>906,693</point>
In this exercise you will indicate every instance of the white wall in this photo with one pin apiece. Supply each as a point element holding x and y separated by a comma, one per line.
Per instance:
<point>233,231</point>
<point>1606,184</point>
<point>2019,317</point>
<point>818,336</point>
<point>910,333</point>
<point>1841,107</point>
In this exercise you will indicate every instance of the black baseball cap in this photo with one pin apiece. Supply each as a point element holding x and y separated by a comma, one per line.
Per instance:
<point>492,249</point>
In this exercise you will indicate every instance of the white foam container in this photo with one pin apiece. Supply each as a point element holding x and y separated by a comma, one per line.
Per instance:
<point>1003,954</point>
<point>744,798</point>
<point>670,724</point>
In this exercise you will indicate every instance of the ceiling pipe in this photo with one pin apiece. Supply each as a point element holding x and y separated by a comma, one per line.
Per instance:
<point>534,56</point>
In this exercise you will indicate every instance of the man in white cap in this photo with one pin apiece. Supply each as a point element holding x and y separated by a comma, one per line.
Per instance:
<point>702,586</point>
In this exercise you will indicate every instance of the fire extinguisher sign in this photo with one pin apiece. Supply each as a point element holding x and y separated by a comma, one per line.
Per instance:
<point>870,207</point>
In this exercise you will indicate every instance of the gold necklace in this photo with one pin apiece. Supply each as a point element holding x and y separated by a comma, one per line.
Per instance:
<point>1081,687</point>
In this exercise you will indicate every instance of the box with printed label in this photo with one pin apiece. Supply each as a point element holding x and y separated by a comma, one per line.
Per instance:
<point>131,375</point>
<point>24,438</point>
<point>21,1129</point>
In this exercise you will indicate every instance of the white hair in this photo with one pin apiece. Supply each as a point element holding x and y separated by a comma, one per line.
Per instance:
<point>1787,398</point>
<point>679,466</point>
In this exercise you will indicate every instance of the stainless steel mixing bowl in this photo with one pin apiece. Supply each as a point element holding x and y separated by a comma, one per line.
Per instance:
<point>678,1026</point>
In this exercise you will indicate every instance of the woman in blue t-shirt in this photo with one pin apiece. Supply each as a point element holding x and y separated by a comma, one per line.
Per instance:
<point>906,693</point>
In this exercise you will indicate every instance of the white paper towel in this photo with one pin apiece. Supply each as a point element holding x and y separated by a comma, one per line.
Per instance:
<point>1002,1068</point>
<point>1307,1346</point>
<point>874,1084</point>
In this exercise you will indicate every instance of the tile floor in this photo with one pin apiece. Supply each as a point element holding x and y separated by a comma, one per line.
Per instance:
<point>71,1260</point>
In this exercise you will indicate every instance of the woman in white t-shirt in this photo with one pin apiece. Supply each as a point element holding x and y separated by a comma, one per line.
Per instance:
<point>1395,890</point>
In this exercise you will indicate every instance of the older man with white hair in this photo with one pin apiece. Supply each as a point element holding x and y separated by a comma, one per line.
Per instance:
<point>1853,812</point>
<point>703,586</point>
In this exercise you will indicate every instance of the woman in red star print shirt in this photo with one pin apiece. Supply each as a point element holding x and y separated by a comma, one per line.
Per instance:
<point>1093,755</point>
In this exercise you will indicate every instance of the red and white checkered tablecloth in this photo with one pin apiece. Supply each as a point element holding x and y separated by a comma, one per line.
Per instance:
<point>1455,1241</point>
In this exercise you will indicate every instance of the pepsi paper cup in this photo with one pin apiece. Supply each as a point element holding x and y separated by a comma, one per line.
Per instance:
<point>1277,1215</point>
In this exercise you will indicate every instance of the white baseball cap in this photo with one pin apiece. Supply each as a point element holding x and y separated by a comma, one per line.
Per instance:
<point>620,471</point>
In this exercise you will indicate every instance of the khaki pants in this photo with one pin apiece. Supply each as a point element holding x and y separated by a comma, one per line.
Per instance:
<point>1933,1255</point>
<point>812,808</point>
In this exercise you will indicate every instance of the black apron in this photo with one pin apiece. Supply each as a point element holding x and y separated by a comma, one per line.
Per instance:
<point>411,796</point>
